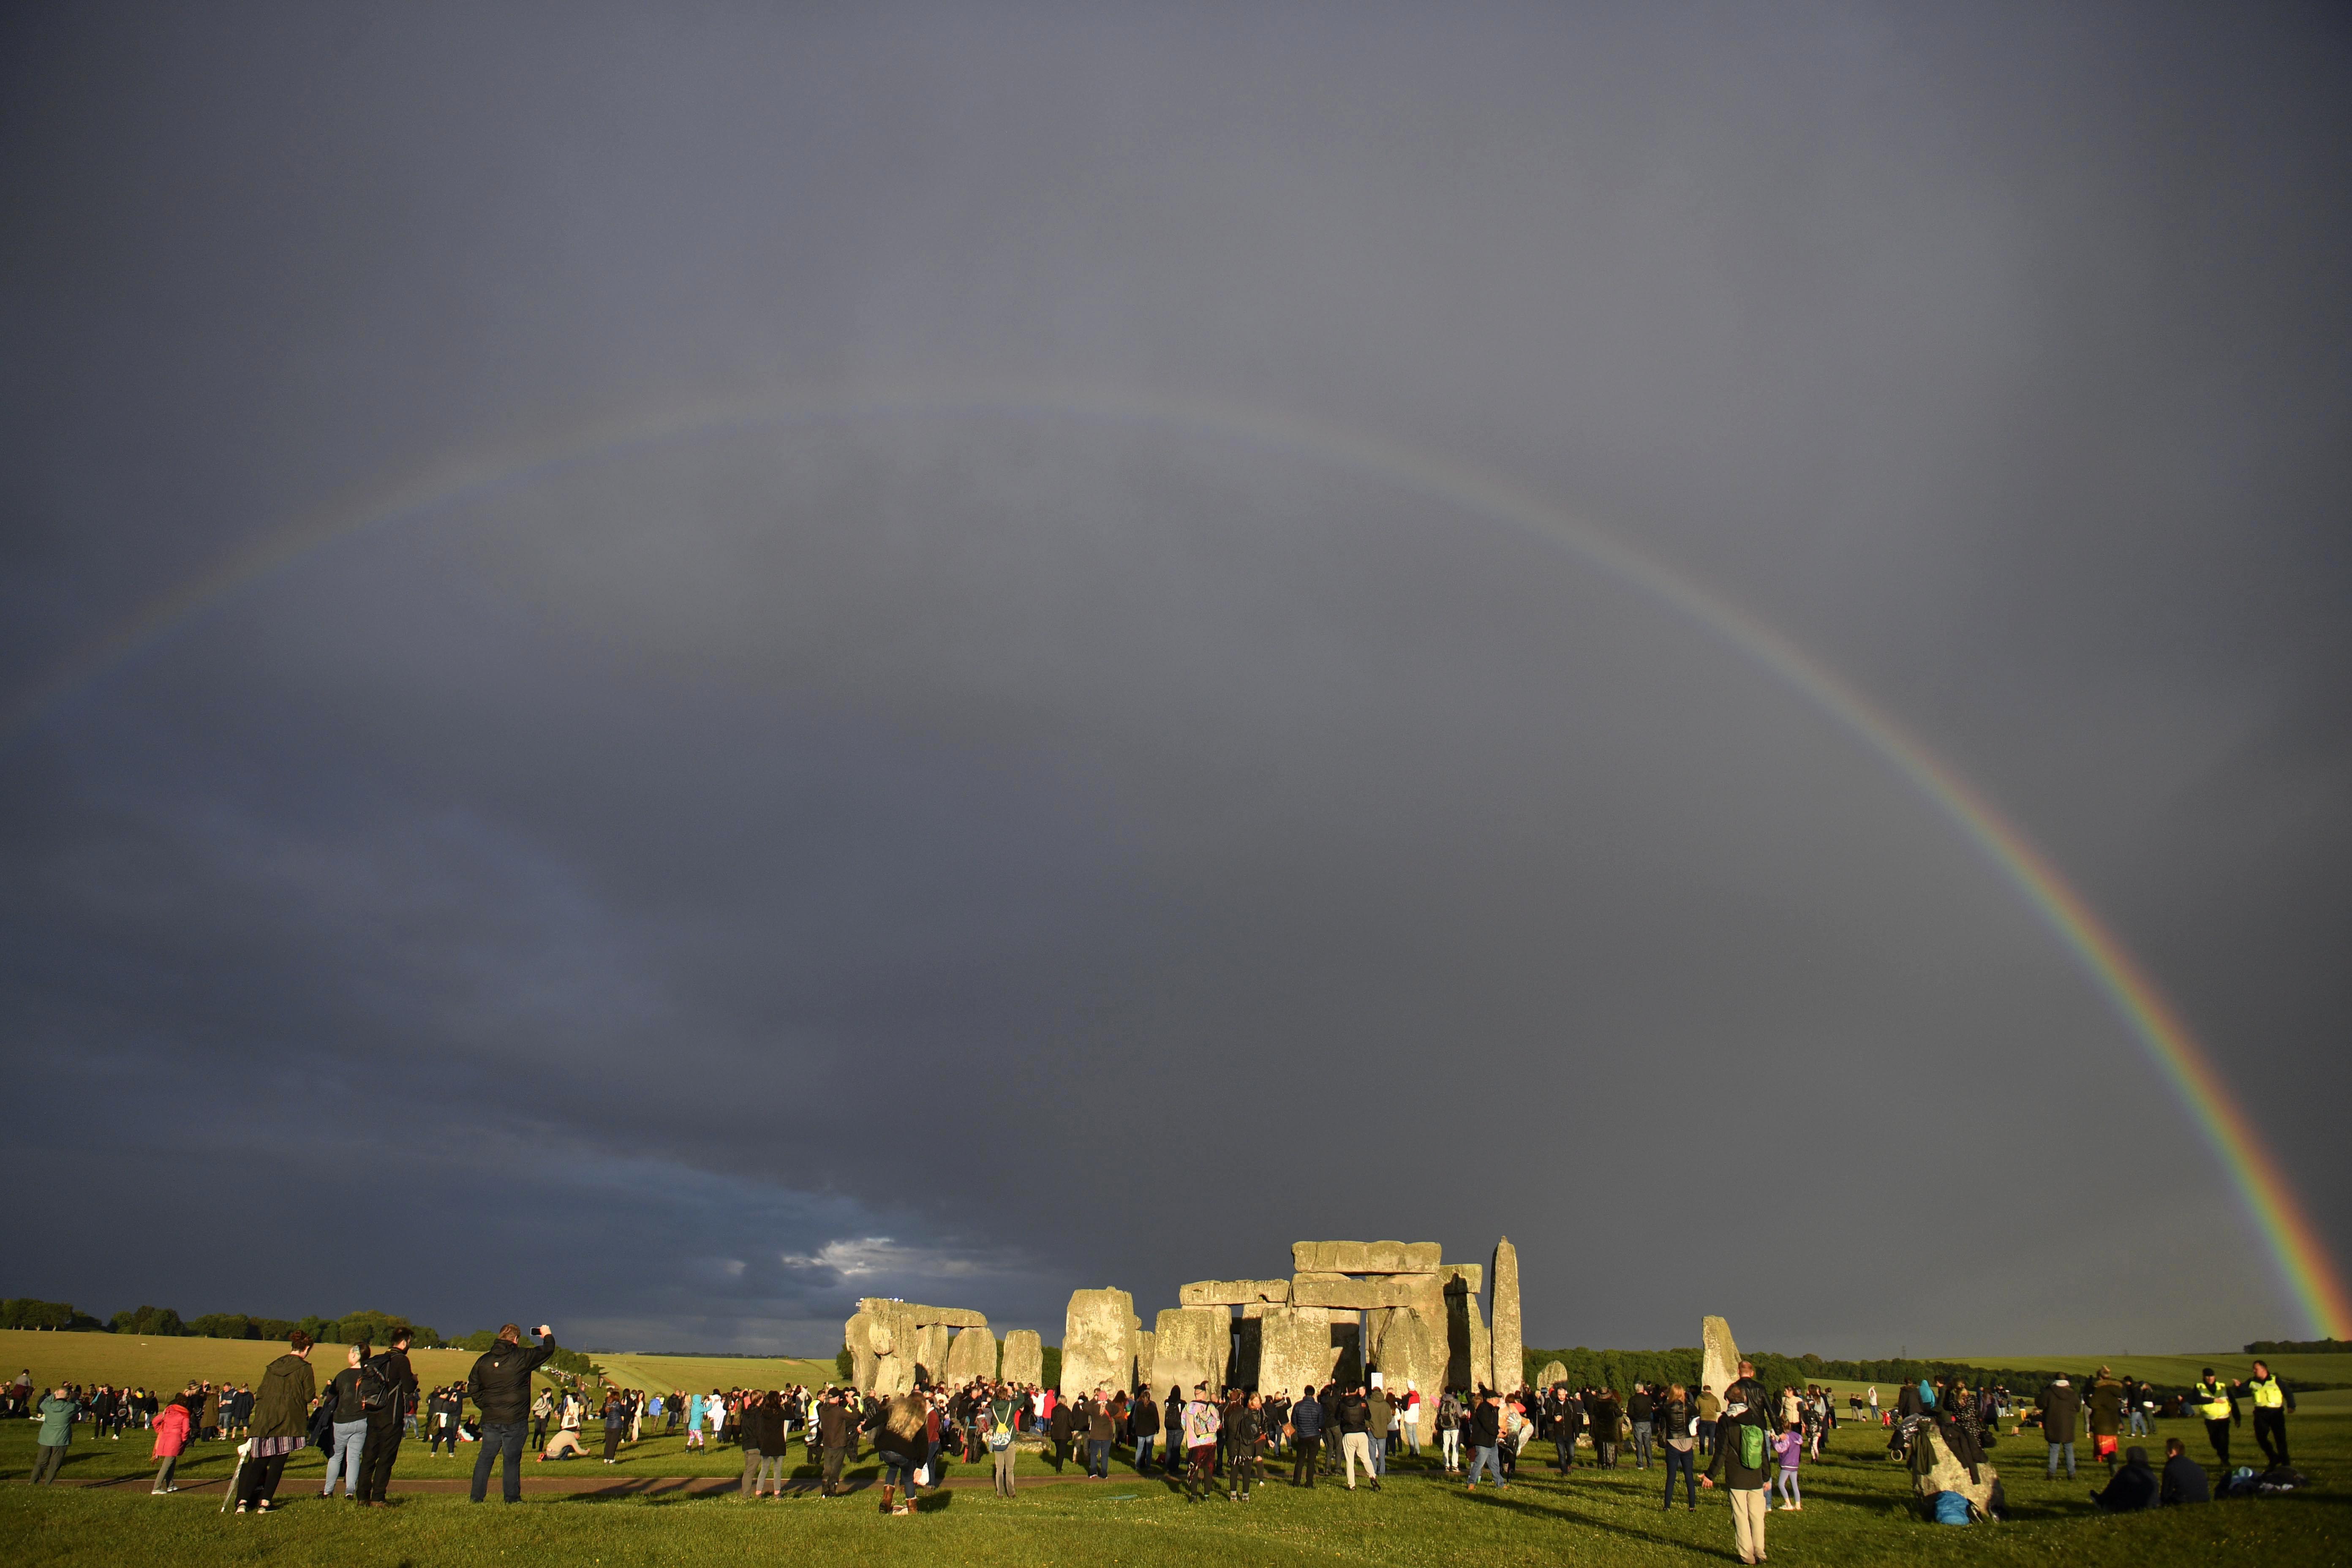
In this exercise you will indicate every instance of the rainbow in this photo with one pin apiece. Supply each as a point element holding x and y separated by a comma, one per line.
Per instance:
<point>2305,1268</point>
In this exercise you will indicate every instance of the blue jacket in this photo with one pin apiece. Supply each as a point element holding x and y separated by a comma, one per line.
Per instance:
<point>1306,1419</point>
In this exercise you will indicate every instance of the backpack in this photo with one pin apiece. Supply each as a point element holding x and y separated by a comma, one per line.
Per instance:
<point>1952,1508</point>
<point>1752,1445</point>
<point>377,1392</point>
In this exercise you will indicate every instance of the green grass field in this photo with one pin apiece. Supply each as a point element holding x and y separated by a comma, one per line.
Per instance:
<point>1856,1511</point>
<point>123,1361</point>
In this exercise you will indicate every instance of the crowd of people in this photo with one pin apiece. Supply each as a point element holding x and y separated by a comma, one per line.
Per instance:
<point>1205,1443</point>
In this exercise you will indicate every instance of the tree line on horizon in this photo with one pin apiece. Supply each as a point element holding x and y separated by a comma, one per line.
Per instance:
<point>368,1327</point>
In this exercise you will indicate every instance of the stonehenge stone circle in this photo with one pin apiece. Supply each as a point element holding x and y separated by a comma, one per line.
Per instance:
<point>1719,1364</point>
<point>1232,1292</point>
<point>1024,1357</point>
<point>888,1340</point>
<point>1099,1338</point>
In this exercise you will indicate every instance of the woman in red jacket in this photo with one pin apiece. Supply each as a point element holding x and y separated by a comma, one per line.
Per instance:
<point>171,1438</point>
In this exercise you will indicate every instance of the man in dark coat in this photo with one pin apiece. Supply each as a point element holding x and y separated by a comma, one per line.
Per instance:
<point>2061,1410</point>
<point>499,1386</point>
<point>392,1381</point>
<point>2184,1477</point>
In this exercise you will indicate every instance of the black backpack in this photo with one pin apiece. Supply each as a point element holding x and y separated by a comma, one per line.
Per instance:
<point>378,1389</point>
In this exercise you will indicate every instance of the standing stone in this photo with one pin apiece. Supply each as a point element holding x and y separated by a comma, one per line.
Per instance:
<point>972,1354</point>
<point>1554,1375</point>
<point>1191,1347</point>
<point>930,1352</point>
<point>858,1339</point>
<point>1409,1347</point>
<point>1294,1350</point>
<point>1098,1342</point>
<point>1509,1352</point>
<point>1024,1357</point>
<point>1469,1354</point>
<point>1718,1365</point>
<point>1147,1356</point>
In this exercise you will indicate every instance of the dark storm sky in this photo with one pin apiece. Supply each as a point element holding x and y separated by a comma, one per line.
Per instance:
<point>968,855</point>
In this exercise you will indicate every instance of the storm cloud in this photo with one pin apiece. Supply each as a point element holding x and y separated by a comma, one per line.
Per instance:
<point>942,821</point>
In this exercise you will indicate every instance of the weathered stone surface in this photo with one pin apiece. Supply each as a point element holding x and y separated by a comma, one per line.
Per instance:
<point>1719,1356</point>
<point>1365,1257</point>
<point>1098,1342</point>
<point>930,1350</point>
<point>1401,1257</point>
<point>858,1339</point>
<point>1471,1274</point>
<point>1191,1346</point>
<point>972,1354</point>
<point>1357,1295</point>
<point>1510,1363</point>
<point>916,1315</point>
<point>1232,1292</point>
<point>1294,1349</point>
<point>1554,1375</point>
<point>1409,1349</point>
<point>1469,1362</point>
<point>1147,1354</point>
<point>1024,1357</point>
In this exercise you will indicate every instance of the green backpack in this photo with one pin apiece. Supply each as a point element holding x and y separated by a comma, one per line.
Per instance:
<point>1751,1445</point>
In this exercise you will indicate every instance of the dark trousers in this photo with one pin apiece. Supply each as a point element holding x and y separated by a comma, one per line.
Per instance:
<point>612,1435</point>
<point>2218,1433</point>
<point>834,1459</point>
<point>501,1439</point>
<point>1098,1457</point>
<point>257,1482</point>
<point>2270,1426</point>
<point>383,1435</point>
<point>1061,1454</point>
<point>1240,1469</point>
<point>1681,1460</point>
<point>44,1469</point>
<point>538,1432</point>
<point>438,1435</point>
<point>1302,1464</point>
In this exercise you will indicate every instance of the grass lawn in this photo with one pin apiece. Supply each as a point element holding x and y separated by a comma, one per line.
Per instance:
<point>1856,1513</point>
<point>701,1374</point>
<point>126,1361</point>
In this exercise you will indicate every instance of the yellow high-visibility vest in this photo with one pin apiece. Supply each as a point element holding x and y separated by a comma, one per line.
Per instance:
<point>2215,1406</point>
<point>2269,1395</point>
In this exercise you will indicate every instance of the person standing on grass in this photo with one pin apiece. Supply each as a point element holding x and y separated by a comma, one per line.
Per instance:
<point>1144,1418</point>
<point>999,1422</point>
<point>834,1430</point>
<point>1791,1448</point>
<point>1743,1452</point>
<point>1680,1429</point>
<point>499,1386</point>
<point>1355,1436</point>
<point>2272,1401</point>
<point>763,1446</point>
<point>1485,1424</point>
<point>2107,1402</point>
<point>541,1409</point>
<point>172,1426</point>
<point>1306,1437</point>
<point>2062,1406</point>
<point>346,1428</point>
<point>282,1424</point>
<point>1643,1409</point>
<point>2217,1407</point>
<point>57,1412</point>
<point>1201,1425</point>
<point>388,1394</point>
<point>1449,1431</point>
<point>1383,1422</point>
<point>1710,1410</point>
<point>1244,1431</point>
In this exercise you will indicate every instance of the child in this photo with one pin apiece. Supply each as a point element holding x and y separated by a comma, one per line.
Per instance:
<point>1790,1445</point>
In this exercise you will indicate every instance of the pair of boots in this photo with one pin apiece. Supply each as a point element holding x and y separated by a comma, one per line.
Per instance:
<point>891,1505</point>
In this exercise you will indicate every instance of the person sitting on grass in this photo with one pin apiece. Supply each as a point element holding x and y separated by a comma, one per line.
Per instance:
<point>2133,1488</point>
<point>2184,1479</point>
